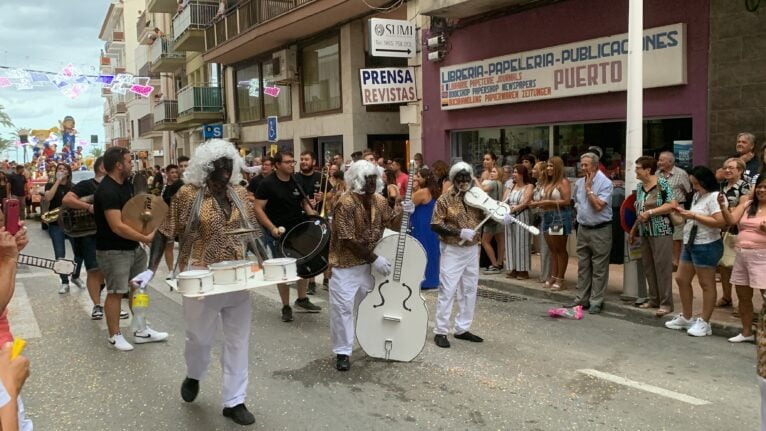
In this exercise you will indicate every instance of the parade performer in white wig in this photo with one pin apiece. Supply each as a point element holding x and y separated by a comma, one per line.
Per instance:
<point>454,221</point>
<point>210,204</point>
<point>360,216</point>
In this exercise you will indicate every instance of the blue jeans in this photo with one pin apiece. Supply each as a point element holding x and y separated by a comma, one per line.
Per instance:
<point>58,238</point>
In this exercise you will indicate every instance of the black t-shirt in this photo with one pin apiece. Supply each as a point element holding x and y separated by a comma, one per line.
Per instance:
<point>310,183</point>
<point>252,186</point>
<point>111,196</point>
<point>171,190</point>
<point>751,169</point>
<point>85,188</point>
<point>58,196</point>
<point>18,184</point>
<point>284,206</point>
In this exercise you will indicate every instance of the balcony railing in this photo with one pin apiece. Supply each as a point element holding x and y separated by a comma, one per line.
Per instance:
<point>106,61</point>
<point>144,27</point>
<point>196,15</point>
<point>145,124</point>
<point>199,99</point>
<point>120,108</point>
<point>163,48</point>
<point>166,112</point>
<point>246,15</point>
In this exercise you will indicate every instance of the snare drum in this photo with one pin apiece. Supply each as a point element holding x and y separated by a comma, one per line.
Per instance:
<point>230,271</point>
<point>195,281</point>
<point>283,268</point>
<point>309,243</point>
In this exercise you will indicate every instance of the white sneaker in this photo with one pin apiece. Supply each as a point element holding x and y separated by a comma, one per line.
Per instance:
<point>741,339</point>
<point>700,328</point>
<point>77,282</point>
<point>149,335</point>
<point>119,342</point>
<point>679,322</point>
<point>64,288</point>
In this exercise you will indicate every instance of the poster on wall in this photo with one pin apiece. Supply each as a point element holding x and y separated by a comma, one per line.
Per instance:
<point>575,69</point>
<point>388,85</point>
<point>682,150</point>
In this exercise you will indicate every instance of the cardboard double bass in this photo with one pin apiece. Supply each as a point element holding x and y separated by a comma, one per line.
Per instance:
<point>392,319</point>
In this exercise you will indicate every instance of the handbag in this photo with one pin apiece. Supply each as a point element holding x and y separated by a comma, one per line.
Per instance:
<point>556,227</point>
<point>727,259</point>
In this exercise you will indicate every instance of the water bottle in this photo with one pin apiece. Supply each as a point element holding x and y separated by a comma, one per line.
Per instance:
<point>140,304</point>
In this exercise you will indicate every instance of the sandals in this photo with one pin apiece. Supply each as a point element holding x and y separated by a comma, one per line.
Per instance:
<point>646,305</point>
<point>723,302</point>
<point>662,312</point>
<point>558,285</point>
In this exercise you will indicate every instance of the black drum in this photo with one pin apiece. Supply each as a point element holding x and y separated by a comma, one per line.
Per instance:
<point>309,243</point>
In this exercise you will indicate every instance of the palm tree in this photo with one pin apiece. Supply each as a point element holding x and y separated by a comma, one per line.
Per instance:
<point>96,152</point>
<point>5,119</point>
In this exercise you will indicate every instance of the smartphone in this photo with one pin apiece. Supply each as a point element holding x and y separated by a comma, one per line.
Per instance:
<point>11,211</point>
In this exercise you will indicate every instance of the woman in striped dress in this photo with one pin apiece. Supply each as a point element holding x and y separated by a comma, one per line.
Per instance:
<point>518,241</point>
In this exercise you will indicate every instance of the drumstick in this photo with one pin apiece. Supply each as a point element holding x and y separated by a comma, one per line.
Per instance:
<point>281,230</point>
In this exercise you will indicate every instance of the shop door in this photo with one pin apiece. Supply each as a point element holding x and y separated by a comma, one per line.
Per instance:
<point>389,146</point>
<point>327,146</point>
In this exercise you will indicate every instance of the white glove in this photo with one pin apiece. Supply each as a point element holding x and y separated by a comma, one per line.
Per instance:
<point>408,207</point>
<point>382,265</point>
<point>507,219</point>
<point>467,234</point>
<point>141,280</point>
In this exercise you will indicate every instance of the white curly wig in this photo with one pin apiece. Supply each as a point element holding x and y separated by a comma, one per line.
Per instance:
<point>356,174</point>
<point>201,164</point>
<point>457,167</point>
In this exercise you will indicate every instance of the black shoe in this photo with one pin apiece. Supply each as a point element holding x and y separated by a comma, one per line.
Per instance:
<point>326,284</point>
<point>576,303</point>
<point>189,389</point>
<point>287,313</point>
<point>305,304</point>
<point>312,289</point>
<point>342,363</point>
<point>470,337</point>
<point>594,309</point>
<point>239,414</point>
<point>441,340</point>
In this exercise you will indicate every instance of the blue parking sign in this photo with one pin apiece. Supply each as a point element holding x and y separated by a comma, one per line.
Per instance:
<point>212,131</point>
<point>271,123</point>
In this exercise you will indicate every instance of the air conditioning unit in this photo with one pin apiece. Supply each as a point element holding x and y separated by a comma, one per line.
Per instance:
<point>285,66</point>
<point>231,131</point>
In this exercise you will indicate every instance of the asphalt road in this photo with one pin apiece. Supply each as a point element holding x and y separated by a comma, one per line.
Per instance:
<point>531,373</point>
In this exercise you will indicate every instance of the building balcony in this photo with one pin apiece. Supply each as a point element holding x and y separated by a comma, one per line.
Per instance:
<point>120,108</point>
<point>189,25</point>
<point>467,8</point>
<point>259,26</point>
<point>146,125</point>
<point>106,91</point>
<point>106,119</point>
<point>121,142</point>
<point>162,6</point>
<point>115,43</point>
<point>199,105</point>
<point>166,115</point>
<point>144,28</point>
<point>164,57</point>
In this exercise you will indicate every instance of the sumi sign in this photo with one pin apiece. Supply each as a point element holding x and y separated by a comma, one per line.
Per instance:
<point>388,85</point>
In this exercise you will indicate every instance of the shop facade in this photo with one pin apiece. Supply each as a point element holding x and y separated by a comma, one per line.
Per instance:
<point>555,84</point>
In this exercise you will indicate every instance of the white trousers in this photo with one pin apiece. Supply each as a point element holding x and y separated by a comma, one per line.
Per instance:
<point>458,275</point>
<point>201,317</point>
<point>762,386</point>
<point>348,286</point>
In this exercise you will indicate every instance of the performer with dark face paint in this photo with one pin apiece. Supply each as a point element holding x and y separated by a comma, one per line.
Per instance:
<point>454,221</point>
<point>360,216</point>
<point>210,204</point>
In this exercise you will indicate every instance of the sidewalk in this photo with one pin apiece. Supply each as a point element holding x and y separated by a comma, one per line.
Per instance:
<point>723,323</point>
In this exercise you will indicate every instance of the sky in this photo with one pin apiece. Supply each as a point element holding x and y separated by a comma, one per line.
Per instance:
<point>47,35</point>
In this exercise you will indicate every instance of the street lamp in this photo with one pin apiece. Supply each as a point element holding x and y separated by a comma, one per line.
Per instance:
<point>24,138</point>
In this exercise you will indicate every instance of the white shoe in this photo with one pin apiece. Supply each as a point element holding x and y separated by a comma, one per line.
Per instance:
<point>149,335</point>
<point>64,288</point>
<point>124,314</point>
<point>77,282</point>
<point>741,339</point>
<point>700,328</point>
<point>119,342</point>
<point>679,322</point>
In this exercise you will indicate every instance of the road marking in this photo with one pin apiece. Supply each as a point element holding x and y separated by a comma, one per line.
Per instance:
<point>644,387</point>
<point>21,315</point>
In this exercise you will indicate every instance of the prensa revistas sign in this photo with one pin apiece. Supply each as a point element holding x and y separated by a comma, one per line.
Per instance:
<point>587,67</point>
<point>388,85</point>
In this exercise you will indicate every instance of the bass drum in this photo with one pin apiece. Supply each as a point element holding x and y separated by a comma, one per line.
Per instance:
<point>309,243</point>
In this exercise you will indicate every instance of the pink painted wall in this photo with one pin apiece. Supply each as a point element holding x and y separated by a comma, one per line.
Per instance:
<point>561,23</point>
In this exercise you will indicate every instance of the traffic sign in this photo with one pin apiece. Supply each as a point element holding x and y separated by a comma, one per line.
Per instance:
<point>212,131</point>
<point>271,123</point>
<point>392,38</point>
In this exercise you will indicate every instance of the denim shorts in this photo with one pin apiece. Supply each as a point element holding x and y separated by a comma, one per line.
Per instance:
<point>703,255</point>
<point>563,216</point>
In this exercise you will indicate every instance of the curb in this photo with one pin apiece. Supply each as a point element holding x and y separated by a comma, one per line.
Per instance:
<point>619,310</point>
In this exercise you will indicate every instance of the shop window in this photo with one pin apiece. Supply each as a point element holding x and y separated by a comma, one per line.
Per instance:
<point>280,105</point>
<point>249,106</point>
<point>508,143</point>
<point>320,76</point>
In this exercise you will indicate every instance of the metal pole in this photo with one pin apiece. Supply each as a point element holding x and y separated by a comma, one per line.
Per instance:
<point>634,130</point>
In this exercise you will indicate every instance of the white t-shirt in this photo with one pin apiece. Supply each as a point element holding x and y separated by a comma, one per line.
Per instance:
<point>706,205</point>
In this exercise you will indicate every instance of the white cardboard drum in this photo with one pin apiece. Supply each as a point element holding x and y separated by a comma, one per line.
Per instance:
<point>196,281</point>
<point>280,269</point>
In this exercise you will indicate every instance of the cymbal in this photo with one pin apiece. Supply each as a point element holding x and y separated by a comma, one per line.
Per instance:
<point>144,212</point>
<point>240,231</point>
